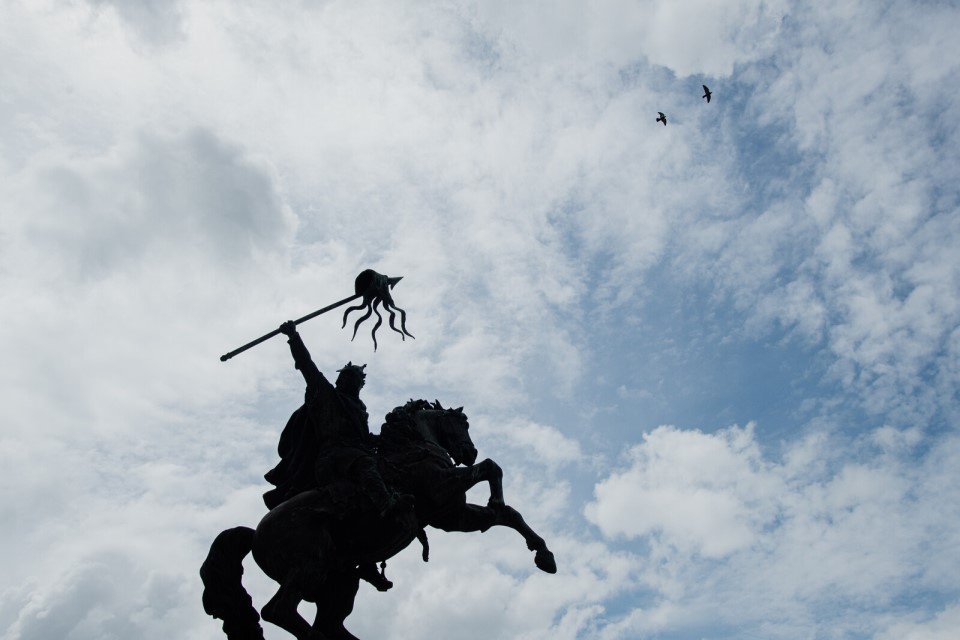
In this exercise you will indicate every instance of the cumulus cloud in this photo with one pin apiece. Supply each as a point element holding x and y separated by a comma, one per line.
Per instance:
<point>813,530</point>
<point>548,445</point>
<point>685,486</point>
<point>102,597</point>
<point>156,199</point>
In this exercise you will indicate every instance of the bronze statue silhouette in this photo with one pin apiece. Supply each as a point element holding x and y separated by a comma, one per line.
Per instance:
<point>662,118</point>
<point>345,499</point>
<point>314,543</point>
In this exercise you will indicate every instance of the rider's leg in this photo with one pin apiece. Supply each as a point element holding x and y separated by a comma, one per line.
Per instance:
<point>371,482</point>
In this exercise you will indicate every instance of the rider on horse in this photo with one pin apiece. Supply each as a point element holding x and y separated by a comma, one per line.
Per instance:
<point>328,439</point>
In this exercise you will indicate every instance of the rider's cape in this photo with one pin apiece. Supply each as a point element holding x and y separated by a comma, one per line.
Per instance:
<point>318,444</point>
<point>298,450</point>
<point>321,438</point>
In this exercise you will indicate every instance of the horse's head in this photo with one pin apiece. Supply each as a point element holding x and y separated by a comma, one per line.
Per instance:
<point>425,421</point>
<point>453,434</point>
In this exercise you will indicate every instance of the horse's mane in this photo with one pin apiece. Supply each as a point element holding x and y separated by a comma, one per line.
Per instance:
<point>405,411</point>
<point>398,425</point>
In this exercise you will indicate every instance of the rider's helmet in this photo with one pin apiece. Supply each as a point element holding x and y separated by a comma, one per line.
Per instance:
<point>352,375</point>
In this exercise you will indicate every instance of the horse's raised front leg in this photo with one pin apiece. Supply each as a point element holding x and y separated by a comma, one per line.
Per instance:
<point>473,517</point>
<point>510,517</point>
<point>488,471</point>
<point>452,483</point>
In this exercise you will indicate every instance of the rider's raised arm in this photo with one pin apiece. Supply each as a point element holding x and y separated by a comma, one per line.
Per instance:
<point>301,356</point>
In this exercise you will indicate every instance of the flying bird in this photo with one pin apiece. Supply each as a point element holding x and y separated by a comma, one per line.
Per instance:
<point>662,118</point>
<point>707,93</point>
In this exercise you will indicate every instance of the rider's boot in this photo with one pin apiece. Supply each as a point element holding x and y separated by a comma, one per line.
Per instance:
<point>378,579</point>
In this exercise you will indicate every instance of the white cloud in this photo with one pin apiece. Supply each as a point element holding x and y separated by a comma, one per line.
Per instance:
<point>943,626</point>
<point>690,487</point>
<point>154,201</point>
<point>548,446</point>
<point>621,33</point>
<point>847,241</point>
<point>796,540</point>
<point>178,178</point>
<point>104,597</point>
<point>155,22</point>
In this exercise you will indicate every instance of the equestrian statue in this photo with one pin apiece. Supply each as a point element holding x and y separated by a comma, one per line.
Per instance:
<point>344,499</point>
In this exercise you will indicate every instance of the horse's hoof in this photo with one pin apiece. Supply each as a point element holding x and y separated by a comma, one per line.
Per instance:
<point>545,562</point>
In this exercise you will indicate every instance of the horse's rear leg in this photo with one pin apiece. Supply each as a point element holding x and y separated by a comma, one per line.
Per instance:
<point>281,610</point>
<point>335,604</point>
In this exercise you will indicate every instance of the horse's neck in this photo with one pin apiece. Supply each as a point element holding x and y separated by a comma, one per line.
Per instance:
<point>426,427</point>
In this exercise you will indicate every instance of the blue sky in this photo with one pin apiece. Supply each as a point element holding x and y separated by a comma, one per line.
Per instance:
<point>718,360</point>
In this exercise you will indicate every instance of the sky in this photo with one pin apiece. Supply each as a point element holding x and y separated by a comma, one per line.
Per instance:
<point>718,360</point>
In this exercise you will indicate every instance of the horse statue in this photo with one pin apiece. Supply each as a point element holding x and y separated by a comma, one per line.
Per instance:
<point>315,543</point>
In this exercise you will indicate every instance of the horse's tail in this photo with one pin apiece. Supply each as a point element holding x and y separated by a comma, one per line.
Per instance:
<point>223,594</point>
